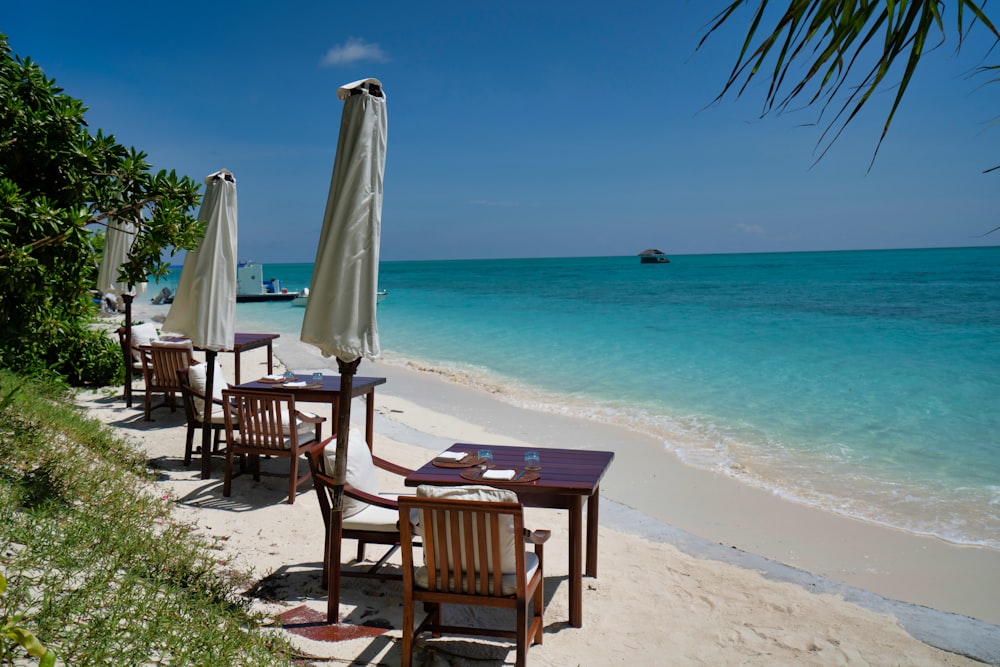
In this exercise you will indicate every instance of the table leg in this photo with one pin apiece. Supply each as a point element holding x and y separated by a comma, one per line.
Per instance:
<point>236,360</point>
<point>270,358</point>
<point>593,509</point>
<point>370,418</point>
<point>576,562</point>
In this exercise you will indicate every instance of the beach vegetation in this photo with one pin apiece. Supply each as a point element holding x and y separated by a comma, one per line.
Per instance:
<point>838,54</point>
<point>60,185</point>
<point>98,570</point>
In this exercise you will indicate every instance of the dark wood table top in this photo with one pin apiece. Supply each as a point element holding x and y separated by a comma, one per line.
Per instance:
<point>248,341</point>
<point>329,389</point>
<point>564,471</point>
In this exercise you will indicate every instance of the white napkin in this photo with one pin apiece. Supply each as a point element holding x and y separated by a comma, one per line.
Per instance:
<point>451,456</point>
<point>498,474</point>
<point>294,384</point>
<point>276,376</point>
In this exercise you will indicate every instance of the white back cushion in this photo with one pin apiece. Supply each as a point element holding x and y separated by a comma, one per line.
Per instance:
<point>198,376</point>
<point>143,334</point>
<point>509,543</point>
<point>361,472</point>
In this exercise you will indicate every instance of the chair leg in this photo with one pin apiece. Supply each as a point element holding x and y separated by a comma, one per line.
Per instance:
<point>227,479</point>
<point>408,619</point>
<point>538,612</point>
<point>293,479</point>
<point>522,633</point>
<point>188,445</point>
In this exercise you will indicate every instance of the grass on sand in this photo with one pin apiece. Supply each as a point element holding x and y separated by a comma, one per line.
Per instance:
<point>93,560</point>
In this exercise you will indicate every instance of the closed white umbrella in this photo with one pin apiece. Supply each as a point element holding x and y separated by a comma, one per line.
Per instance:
<point>340,312</point>
<point>118,242</point>
<point>204,307</point>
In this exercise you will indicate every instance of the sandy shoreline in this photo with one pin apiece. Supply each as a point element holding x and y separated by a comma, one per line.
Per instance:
<point>899,565</point>
<point>705,522</point>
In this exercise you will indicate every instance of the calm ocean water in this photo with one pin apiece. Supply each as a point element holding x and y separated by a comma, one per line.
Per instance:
<point>867,383</point>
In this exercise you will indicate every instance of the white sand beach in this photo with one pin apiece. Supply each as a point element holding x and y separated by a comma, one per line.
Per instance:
<point>694,568</point>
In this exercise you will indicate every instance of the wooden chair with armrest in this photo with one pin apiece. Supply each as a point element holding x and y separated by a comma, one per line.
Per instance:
<point>192,384</point>
<point>160,362</point>
<point>474,555</point>
<point>368,516</point>
<point>141,335</point>
<point>268,425</point>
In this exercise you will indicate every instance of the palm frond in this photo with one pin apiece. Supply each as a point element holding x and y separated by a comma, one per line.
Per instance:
<point>831,40</point>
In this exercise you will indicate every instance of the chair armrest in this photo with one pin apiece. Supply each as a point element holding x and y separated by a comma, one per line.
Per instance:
<point>389,466</point>
<point>364,496</point>
<point>537,536</point>
<point>356,493</point>
<point>309,418</point>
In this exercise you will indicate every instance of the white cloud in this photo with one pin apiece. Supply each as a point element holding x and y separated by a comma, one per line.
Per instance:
<point>756,230</point>
<point>354,50</point>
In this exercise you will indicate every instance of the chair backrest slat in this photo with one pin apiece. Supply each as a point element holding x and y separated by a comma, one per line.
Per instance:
<point>469,533</point>
<point>265,419</point>
<point>165,362</point>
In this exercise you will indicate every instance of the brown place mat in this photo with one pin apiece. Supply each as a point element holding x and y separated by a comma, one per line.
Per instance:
<point>469,461</point>
<point>473,476</point>
<point>266,380</point>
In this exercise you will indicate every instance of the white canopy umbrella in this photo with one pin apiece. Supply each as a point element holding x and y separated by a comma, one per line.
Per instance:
<point>340,312</point>
<point>118,242</point>
<point>204,307</point>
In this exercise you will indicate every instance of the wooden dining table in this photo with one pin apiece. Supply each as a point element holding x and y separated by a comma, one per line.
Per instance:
<point>244,342</point>
<point>567,476</point>
<point>326,391</point>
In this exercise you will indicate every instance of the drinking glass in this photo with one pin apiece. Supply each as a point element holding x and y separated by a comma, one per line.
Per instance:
<point>532,461</point>
<point>486,457</point>
<point>288,376</point>
<point>318,377</point>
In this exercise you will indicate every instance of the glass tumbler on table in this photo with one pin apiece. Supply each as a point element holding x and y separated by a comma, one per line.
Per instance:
<point>486,457</point>
<point>532,461</point>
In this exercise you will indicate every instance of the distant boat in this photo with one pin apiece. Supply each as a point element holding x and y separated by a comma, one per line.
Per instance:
<point>303,298</point>
<point>653,256</point>
<point>250,287</point>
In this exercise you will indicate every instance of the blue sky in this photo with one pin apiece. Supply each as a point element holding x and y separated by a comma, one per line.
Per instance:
<point>520,129</point>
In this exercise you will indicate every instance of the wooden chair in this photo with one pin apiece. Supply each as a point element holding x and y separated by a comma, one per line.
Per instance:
<point>269,425</point>
<point>193,399</point>
<point>473,555</point>
<point>132,354</point>
<point>160,362</point>
<point>368,516</point>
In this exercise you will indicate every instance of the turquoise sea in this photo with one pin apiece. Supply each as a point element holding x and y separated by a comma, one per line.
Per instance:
<point>867,382</point>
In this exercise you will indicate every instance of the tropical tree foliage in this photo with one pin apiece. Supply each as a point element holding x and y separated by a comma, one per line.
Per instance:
<point>843,50</point>
<point>58,184</point>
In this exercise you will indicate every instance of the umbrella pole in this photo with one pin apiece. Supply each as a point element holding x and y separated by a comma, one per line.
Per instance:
<point>206,421</point>
<point>347,371</point>
<point>127,298</point>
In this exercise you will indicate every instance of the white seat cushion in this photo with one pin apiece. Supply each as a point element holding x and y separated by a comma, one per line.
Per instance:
<point>509,545</point>
<point>373,517</point>
<point>361,473</point>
